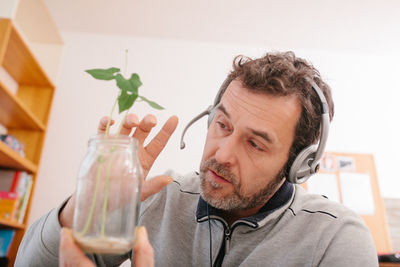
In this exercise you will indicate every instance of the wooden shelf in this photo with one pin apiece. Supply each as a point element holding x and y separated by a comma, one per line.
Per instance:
<point>11,159</point>
<point>12,224</point>
<point>14,114</point>
<point>20,62</point>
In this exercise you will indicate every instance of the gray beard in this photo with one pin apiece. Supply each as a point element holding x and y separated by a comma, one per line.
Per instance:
<point>235,201</point>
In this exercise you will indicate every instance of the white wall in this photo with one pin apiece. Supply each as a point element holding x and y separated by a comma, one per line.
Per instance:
<point>8,8</point>
<point>184,76</point>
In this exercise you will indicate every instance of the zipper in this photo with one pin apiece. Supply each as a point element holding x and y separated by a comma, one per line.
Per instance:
<point>228,232</point>
<point>227,239</point>
<point>227,235</point>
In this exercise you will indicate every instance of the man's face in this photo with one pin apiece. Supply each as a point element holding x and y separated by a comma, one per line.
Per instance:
<point>247,146</point>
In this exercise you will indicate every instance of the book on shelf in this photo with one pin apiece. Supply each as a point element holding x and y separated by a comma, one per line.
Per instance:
<point>7,177</point>
<point>13,143</point>
<point>15,190</point>
<point>6,237</point>
<point>23,204</point>
<point>9,203</point>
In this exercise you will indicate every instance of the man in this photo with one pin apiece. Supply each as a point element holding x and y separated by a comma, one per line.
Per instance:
<point>240,210</point>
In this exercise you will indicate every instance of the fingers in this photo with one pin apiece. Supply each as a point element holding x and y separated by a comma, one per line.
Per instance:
<point>144,253</point>
<point>130,122</point>
<point>154,185</point>
<point>70,253</point>
<point>160,140</point>
<point>103,125</point>
<point>144,128</point>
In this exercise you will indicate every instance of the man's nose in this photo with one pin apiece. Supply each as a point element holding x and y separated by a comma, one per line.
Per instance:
<point>227,151</point>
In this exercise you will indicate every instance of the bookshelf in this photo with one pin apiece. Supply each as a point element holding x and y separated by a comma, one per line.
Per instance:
<point>24,113</point>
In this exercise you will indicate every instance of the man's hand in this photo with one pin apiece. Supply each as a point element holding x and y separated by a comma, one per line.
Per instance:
<point>72,255</point>
<point>149,153</point>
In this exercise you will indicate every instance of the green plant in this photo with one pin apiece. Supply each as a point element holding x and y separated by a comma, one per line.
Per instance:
<point>128,94</point>
<point>128,90</point>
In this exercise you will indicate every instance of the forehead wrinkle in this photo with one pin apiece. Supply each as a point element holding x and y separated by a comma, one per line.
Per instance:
<point>236,95</point>
<point>243,102</point>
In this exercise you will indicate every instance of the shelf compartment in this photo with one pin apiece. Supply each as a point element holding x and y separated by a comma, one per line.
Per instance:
<point>11,224</point>
<point>20,62</point>
<point>14,114</point>
<point>11,159</point>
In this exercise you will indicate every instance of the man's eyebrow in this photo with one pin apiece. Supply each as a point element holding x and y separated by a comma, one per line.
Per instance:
<point>263,135</point>
<point>223,110</point>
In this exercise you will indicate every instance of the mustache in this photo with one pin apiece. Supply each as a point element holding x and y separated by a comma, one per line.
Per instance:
<point>219,169</point>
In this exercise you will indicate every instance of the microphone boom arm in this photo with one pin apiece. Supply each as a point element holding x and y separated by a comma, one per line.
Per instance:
<point>204,113</point>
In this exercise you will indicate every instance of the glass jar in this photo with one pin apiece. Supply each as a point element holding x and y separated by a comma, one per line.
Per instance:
<point>108,195</point>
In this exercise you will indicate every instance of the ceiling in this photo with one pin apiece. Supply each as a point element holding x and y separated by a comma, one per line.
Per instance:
<point>330,24</point>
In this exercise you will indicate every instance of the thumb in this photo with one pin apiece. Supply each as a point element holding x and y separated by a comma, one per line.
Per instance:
<point>154,185</point>
<point>144,253</point>
<point>70,253</point>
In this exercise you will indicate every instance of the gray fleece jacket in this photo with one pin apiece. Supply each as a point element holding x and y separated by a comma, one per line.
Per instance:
<point>294,228</point>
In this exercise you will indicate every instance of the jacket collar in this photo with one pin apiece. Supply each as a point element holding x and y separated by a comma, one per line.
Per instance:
<point>279,199</point>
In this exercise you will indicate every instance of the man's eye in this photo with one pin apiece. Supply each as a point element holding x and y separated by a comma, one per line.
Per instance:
<point>221,125</point>
<point>254,145</point>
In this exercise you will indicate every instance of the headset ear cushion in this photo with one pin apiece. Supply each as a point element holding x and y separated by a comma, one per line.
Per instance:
<point>300,170</point>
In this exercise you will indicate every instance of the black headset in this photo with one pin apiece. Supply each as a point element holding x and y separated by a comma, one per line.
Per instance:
<point>307,161</point>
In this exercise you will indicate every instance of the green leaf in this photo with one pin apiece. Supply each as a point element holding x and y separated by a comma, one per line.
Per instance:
<point>126,100</point>
<point>131,85</point>
<point>135,80</point>
<point>151,103</point>
<point>122,83</point>
<point>103,74</point>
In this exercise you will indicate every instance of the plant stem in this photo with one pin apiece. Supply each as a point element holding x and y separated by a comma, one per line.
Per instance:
<point>122,122</point>
<point>104,215</point>
<point>105,201</point>
<point>109,118</point>
<point>126,61</point>
<point>107,190</point>
<point>89,218</point>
